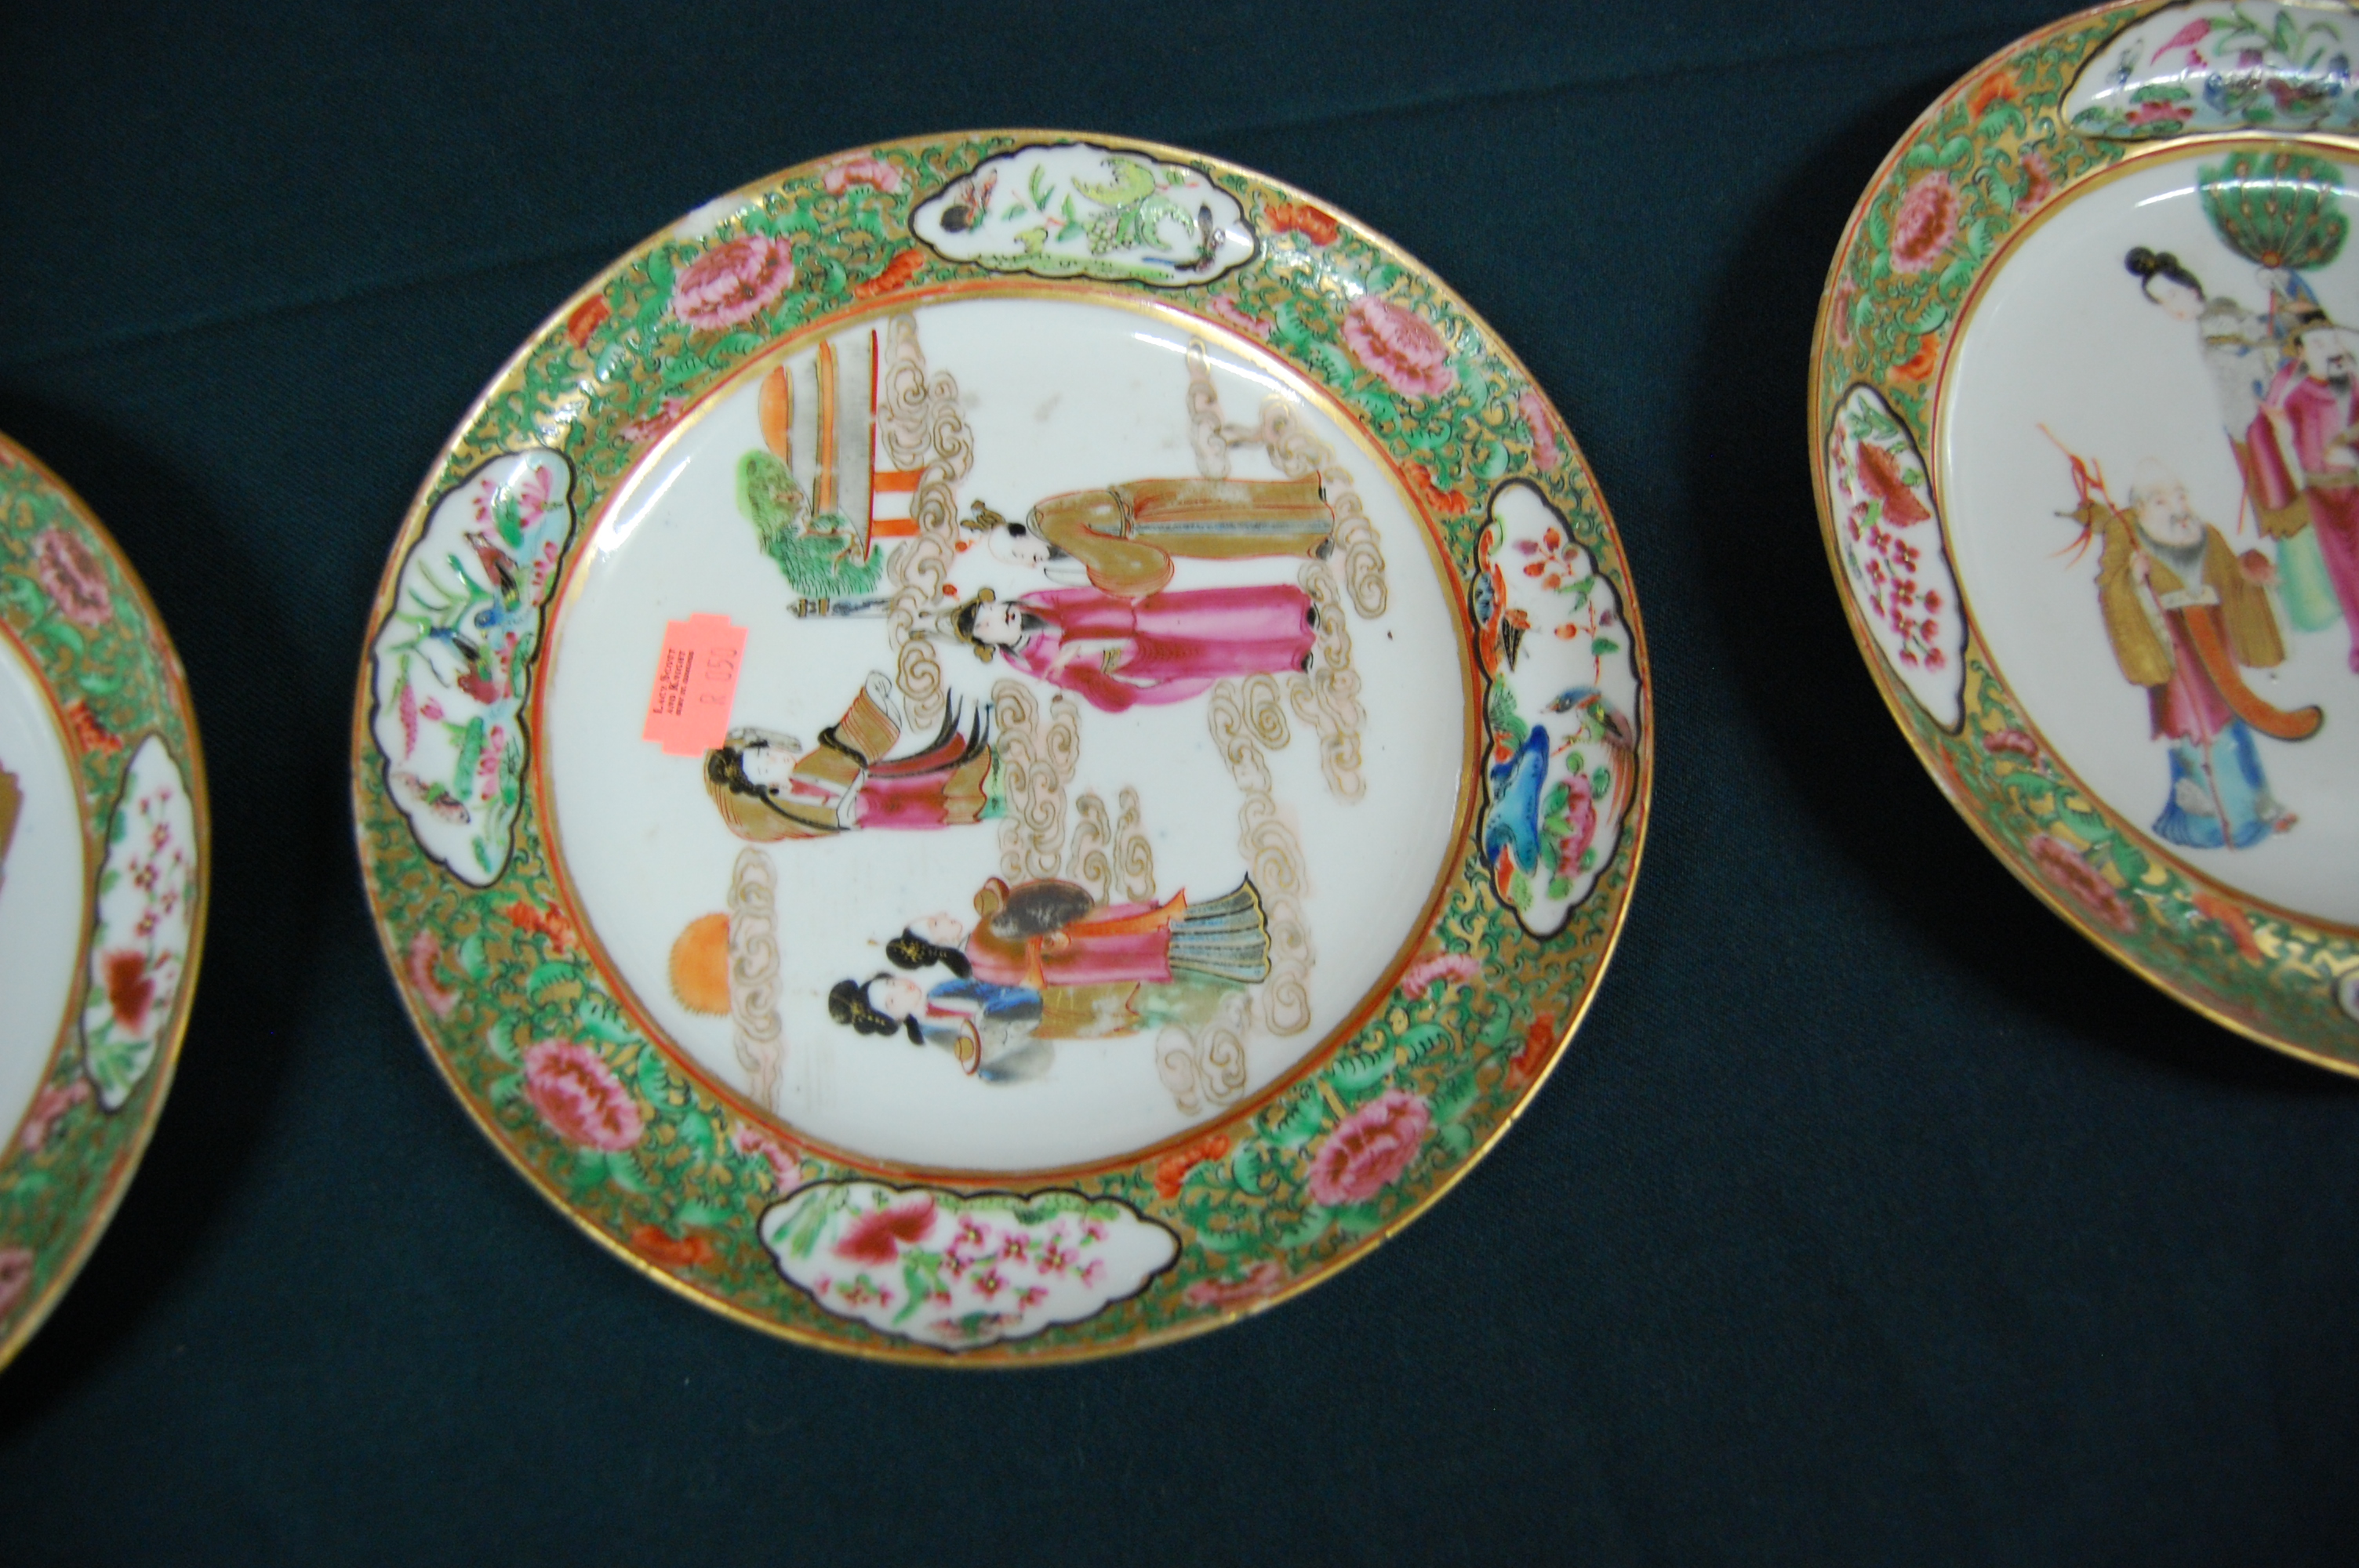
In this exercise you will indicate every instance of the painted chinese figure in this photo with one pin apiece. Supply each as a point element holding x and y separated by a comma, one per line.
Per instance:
<point>2184,613</point>
<point>2278,208</point>
<point>1124,537</point>
<point>1046,961</point>
<point>992,1031</point>
<point>1116,653</point>
<point>2303,450</point>
<point>770,786</point>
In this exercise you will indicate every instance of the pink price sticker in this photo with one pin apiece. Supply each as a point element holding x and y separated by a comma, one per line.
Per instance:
<point>696,681</point>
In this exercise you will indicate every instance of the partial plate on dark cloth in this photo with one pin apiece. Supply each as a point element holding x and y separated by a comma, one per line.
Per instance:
<point>104,858</point>
<point>2089,475</point>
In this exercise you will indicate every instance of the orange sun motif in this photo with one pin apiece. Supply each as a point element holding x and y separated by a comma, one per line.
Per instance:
<point>700,966</point>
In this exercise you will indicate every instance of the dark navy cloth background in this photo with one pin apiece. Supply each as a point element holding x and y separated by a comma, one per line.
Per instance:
<point>1873,1217</point>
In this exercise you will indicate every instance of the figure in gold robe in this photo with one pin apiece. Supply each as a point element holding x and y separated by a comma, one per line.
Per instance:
<point>2184,611</point>
<point>1124,537</point>
<point>768,786</point>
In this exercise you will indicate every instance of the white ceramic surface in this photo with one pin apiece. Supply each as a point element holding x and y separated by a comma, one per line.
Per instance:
<point>2067,352</point>
<point>1057,396</point>
<point>44,886</point>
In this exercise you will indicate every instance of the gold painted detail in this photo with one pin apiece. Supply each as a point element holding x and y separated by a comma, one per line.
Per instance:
<point>755,1033</point>
<point>1207,1065</point>
<point>919,426</point>
<point>1039,745</point>
<point>1246,719</point>
<point>1327,697</point>
<point>1114,861</point>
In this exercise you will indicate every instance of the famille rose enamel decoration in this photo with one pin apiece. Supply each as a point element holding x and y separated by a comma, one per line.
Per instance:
<point>2086,421</point>
<point>103,871</point>
<point>1003,747</point>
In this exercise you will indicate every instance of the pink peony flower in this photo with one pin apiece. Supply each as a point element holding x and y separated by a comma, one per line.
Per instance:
<point>786,1167</point>
<point>1263,1279</point>
<point>2011,741</point>
<point>1428,972</point>
<point>1400,346</point>
<point>1580,823</point>
<point>1925,224</point>
<point>15,1276</point>
<point>2038,181</point>
<point>424,952</point>
<point>1369,1149</point>
<point>734,282</point>
<point>1535,415</point>
<point>840,174</point>
<point>72,577</point>
<point>48,1106</point>
<point>2068,869</point>
<point>878,1237</point>
<point>1228,311</point>
<point>579,1096</point>
<point>1839,312</point>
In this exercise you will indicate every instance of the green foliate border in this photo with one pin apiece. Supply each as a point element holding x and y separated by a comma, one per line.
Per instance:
<point>1998,142</point>
<point>488,973</point>
<point>116,680</point>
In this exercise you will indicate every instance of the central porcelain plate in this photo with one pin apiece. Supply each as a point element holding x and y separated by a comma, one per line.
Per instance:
<point>1003,747</point>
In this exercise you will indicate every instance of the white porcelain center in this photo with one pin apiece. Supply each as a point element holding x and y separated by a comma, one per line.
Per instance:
<point>2150,473</point>
<point>43,884</point>
<point>1055,905</point>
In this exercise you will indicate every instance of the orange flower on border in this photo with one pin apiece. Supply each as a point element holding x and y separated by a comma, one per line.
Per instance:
<point>1448,502</point>
<point>586,318</point>
<point>1539,1040</point>
<point>1300,218</point>
<point>88,731</point>
<point>658,1246</point>
<point>2232,920</point>
<point>1998,87</point>
<point>898,270</point>
<point>547,923</point>
<point>1918,366</point>
<point>1173,1168</point>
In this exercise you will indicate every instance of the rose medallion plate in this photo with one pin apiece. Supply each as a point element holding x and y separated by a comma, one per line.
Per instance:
<point>2087,453</point>
<point>1003,747</point>
<point>102,864</point>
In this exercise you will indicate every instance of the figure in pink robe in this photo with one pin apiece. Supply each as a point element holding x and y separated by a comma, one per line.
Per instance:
<point>2310,409</point>
<point>1116,653</point>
